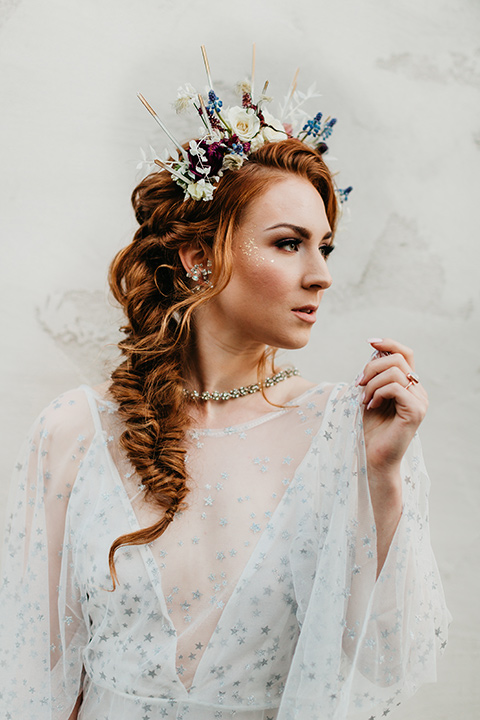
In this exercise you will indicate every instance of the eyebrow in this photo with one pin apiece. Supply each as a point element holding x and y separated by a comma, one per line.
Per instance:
<point>304,232</point>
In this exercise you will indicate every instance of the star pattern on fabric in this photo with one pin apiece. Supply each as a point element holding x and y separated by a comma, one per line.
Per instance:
<point>219,601</point>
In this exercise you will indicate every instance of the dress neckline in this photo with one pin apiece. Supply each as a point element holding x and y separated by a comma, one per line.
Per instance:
<point>249,424</point>
<point>239,427</point>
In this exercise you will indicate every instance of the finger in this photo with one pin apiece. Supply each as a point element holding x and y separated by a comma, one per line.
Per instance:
<point>410,408</point>
<point>392,346</point>
<point>390,375</point>
<point>378,365</point>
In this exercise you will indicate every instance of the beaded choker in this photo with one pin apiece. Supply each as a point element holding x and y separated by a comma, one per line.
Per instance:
<point>241,391</point>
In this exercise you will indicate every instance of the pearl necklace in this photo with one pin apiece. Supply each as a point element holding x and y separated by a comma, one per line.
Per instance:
<point>241,391</point>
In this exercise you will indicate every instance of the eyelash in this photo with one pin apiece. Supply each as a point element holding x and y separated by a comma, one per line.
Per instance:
<point>324,249</point>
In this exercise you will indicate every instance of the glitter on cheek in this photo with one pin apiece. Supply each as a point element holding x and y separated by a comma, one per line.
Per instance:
<point>251,250</point>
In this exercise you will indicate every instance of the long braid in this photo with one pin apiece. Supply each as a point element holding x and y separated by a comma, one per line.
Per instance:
<point>148,280</point>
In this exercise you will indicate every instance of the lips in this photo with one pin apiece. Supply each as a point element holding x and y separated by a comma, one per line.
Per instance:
<point>306,308</point>
<point>307,313</point>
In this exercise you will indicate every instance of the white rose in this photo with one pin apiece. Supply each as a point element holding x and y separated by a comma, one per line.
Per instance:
<point>274,133</point>
<point>200,190</point>
<point>244,122</point>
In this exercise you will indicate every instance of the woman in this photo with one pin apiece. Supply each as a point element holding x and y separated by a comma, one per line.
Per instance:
<point>266,537</point>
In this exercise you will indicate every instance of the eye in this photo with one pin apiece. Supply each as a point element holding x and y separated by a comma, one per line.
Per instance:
<point>290,245</point>
<point>326,250</point>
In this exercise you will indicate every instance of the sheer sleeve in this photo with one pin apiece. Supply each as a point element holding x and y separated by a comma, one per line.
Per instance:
<point>42,629</point>
<point>365,644</point>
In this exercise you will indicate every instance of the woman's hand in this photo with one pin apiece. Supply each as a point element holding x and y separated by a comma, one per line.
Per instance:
<point>392,412</point>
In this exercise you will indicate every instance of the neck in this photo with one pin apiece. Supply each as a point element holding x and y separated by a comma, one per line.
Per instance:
<point>222,360</point>
<point>222,364</point>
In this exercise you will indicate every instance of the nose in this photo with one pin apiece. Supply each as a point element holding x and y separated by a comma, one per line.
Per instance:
<point>317,275</point>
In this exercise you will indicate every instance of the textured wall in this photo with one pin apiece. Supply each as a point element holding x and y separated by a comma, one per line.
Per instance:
<point>403,77</point>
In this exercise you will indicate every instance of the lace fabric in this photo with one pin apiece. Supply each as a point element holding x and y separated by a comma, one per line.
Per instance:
<point>258,602</point>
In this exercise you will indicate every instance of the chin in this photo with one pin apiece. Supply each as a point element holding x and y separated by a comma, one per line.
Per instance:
<point>291,343</point>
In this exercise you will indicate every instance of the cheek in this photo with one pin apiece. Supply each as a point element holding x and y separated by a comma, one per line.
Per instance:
<point>250,253</point>
<point>266,280</point>
<point>260,275</point>
<point>255,293</point>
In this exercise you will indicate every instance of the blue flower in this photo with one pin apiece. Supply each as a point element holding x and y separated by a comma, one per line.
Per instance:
<point>344,193</point>
<point>309,127</point>
<point>237,148</point>
<point>315,129</point>
<point>328,129</point>
<point>214,103</point>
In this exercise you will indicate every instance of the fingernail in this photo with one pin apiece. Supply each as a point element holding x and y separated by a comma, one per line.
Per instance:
<point>368,406</point>
<point>359,378</point>
<point>374,340</point>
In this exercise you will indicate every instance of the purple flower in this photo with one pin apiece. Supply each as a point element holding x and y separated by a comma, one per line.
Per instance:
<point>215,152</point>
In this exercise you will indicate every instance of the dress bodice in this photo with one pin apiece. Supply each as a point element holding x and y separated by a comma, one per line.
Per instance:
<point>258,602</point>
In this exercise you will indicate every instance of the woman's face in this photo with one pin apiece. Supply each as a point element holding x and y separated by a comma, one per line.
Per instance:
<point>279,268</point>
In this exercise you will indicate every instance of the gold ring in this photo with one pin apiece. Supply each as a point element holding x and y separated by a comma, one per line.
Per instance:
<point>414,379</point>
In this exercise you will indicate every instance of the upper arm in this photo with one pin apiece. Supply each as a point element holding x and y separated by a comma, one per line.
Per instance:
<point>41,627</point>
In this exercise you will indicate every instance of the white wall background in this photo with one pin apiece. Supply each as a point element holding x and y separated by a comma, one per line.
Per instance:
<point>403,76</point>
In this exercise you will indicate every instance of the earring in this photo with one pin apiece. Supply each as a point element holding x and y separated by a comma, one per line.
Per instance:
<point>198,271</point>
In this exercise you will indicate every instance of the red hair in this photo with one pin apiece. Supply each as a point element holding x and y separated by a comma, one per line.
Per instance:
<point>148,280</point>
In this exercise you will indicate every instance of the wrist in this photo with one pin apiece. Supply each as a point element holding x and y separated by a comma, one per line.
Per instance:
<point>387,506</point>
<point>386,492</point>
<point>388,480</point>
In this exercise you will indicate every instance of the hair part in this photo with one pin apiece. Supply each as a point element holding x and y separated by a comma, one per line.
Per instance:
<point>147,278</point>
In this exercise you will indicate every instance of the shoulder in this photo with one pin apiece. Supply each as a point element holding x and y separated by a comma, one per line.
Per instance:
<point>69,408</point>
<point>58,442</point>
<point>71,417</point>
<point>300,388</point>
<point>324,392</point>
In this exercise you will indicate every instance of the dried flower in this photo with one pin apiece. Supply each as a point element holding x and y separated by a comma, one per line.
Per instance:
<point>243,87</point>
<point>232,133</point>
<point>200,190</point>
<point>185,98</point>
<point>233,161</point>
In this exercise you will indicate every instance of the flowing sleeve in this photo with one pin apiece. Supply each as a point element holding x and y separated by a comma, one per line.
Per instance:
<point>42,629</point>
<point>365,644</point>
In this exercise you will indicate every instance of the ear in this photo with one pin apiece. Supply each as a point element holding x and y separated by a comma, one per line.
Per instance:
<point>191,255</point>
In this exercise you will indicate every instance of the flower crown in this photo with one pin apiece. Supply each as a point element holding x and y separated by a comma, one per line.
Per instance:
<point>230,134</point>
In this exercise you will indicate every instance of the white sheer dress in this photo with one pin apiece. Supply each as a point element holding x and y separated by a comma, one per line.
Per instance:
<point>258,603</point>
